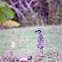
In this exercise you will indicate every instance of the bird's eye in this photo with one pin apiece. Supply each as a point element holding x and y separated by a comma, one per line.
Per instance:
<point>39,30</point>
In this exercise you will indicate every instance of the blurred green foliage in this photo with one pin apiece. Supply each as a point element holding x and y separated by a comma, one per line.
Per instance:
<point>2,16</point>
<point>4,12</point>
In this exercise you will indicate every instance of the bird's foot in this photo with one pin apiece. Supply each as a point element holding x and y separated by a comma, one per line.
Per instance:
<point>39,53</point>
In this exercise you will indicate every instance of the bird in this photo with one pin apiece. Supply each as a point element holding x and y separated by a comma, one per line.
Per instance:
<point>40,42</point>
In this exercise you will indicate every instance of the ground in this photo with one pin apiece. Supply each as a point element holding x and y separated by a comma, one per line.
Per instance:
<point>21,41</point>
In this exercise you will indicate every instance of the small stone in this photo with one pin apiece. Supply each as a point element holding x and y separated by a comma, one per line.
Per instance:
<point>23,59</point>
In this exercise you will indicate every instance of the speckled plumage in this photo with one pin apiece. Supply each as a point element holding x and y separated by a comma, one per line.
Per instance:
<point>40,43</point>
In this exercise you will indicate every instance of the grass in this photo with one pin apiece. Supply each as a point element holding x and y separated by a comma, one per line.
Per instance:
<point>25,39</point>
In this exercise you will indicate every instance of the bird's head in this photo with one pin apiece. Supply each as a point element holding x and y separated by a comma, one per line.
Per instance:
<point>38,31</point>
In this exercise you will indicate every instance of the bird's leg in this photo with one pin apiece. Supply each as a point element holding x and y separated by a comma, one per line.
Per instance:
<point>38,52</point>
<point>41,51</point>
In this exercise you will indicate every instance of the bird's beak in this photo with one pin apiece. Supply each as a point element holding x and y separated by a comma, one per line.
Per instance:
<point>35,31</point>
